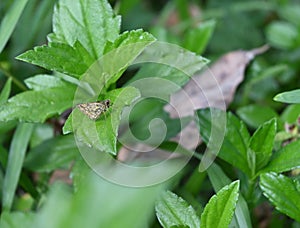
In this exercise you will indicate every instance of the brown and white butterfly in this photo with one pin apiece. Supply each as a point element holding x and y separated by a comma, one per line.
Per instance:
<point>94,109</point>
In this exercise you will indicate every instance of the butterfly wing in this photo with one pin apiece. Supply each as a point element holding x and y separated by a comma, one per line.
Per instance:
<point>93,110</point>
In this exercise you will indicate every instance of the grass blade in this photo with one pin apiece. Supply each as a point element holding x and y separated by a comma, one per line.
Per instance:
<point>15,161</point>
<point>10,20</point>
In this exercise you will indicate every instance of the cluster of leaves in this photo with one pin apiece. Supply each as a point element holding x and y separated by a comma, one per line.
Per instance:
<point>85,31</point>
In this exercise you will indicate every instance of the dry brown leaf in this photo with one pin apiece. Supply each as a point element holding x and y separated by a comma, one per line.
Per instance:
<point>60,175</point>
<point>215,87</point>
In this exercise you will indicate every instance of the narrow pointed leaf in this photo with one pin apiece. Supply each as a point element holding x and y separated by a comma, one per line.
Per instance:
<point>286,159</point>
<point>15,161</point>
<point>4,95</point>
<point>10,20</point>
<point>292,97</point>
<point>261,143</point>
<point>220,208</point>
<point>219,179</point>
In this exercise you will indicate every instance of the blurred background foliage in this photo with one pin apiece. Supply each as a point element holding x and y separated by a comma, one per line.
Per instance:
<point>222,26</point>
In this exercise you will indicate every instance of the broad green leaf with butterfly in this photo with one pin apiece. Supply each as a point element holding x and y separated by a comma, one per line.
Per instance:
<point>96,125</point>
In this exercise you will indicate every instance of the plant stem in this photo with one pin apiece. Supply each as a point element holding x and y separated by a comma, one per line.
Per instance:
<point>249,195</point>
<point>15,80</point>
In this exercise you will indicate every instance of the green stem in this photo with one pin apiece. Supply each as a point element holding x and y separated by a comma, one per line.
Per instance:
<point>250,192</point>
<point>15,80</point>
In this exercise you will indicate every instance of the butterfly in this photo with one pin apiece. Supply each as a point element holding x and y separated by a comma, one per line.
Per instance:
<point>94,109</point>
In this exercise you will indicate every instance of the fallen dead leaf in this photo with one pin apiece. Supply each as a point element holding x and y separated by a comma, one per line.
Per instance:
<point>215,87</point>
<point>61,175</point>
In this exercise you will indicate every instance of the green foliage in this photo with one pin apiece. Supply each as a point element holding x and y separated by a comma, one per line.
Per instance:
<point>283,192</point>
<point>235,145</point>
<point>9,21</point>
<point>220,208</point>
<point>172,210</point>
<point>14,219</point>
<point>289,97</point>
<point>14,164</point>
<point>46,100</point>
<point>72,60</point>
<point>285,159</point>
<point>88,56</point>
<point>251,155</point>
<point>291,113</point>
<point>255,115</point>
<point>218,180</point>
<point>102,134</point>
<point>51,154</point>
<point>197,39</point>
<point>4,95</point>
<point>283,35</point>
<point>261,144</point>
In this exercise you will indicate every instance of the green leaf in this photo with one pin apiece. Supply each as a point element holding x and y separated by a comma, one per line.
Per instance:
<point>52,154</point>
<point>282,35</point>
<point>41,132</point>
<point>237,133</point>
<point>170,62</point>
<point>15,219</point>
<point>128,38</point>
<point>120,53</point>
<point>219,179</point>
<point>72,60</point>
<point>57,206</point>
<point>290,12</point>
<point>98,211</point>
<point>144,112</point>
<point>43,81</point>
<point>196,39</point>
<point>91,22</point>
<point>261,144</point>
<point>291,113</point>
<point>163,71</point>
<point>255,115</point>
<point>7,125</point>
<point>292,97</point>
<point>37,106</point>
<point>263,75</point>
<point>15,161</point>
<point>172,210</point>
<point>219,210</point>
<point>4,95</point>
<point>286,159</point>
<point>283,192</point>
<point>3,157</point>
<point>10,20</point>
<point>102,134</point>
<point>235,143</point>
<point>1,183</point>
